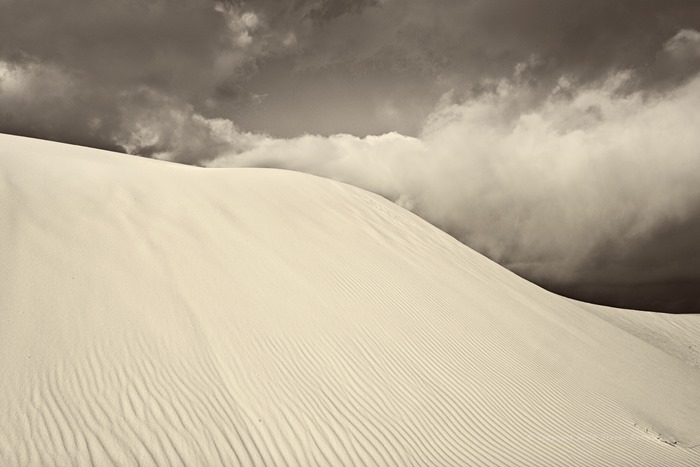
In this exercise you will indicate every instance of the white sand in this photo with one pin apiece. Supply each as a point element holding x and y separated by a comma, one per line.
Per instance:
<point>153,313</point>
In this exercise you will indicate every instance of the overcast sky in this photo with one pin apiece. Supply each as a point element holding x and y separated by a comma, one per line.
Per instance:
<point>558,137</point>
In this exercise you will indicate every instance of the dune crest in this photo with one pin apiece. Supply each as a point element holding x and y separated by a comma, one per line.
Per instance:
<point>159,314</point>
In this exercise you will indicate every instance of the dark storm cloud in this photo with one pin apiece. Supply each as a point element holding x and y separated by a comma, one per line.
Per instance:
<point>656,272</point>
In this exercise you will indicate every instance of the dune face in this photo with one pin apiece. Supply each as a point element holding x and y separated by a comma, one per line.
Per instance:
<point>158,314</point>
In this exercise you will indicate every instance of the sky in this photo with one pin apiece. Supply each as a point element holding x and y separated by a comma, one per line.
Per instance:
<point>557,137</point>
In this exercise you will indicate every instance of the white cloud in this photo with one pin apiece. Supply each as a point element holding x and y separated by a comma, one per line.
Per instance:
<point>539,188</point>
<point>241,24</point>
<point>685,43</point>
<point>21,81</point>
<point>164,128</point>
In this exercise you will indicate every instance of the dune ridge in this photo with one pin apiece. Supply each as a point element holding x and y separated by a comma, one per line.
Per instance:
<point>160,314</point>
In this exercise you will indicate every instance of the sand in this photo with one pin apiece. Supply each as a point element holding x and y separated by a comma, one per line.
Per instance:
<point>160,314</point>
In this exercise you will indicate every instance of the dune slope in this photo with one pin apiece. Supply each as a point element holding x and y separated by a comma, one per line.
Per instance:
<point>158,314</point>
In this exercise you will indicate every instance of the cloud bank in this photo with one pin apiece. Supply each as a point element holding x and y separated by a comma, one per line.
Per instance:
<point>558,189</point>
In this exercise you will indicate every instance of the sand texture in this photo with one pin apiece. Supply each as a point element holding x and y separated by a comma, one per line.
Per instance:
<point>160,314</point>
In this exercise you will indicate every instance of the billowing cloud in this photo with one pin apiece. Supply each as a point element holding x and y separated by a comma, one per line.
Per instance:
<point>544,186</point>
<point>153,125</point>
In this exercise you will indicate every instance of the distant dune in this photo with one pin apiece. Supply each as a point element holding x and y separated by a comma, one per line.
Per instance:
<point>160,314</point>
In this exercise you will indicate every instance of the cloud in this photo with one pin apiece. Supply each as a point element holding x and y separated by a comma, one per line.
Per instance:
<point>44,101</point>
<point>684,46</point>
<point>678,60</point>
<point>326,10</point>
<point>544,186</point>
<point>403,55</point>
<point>156,126</point>
<point>87,72</point>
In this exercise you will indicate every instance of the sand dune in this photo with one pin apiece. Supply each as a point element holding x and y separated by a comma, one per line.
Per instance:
<point>158,314</point>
